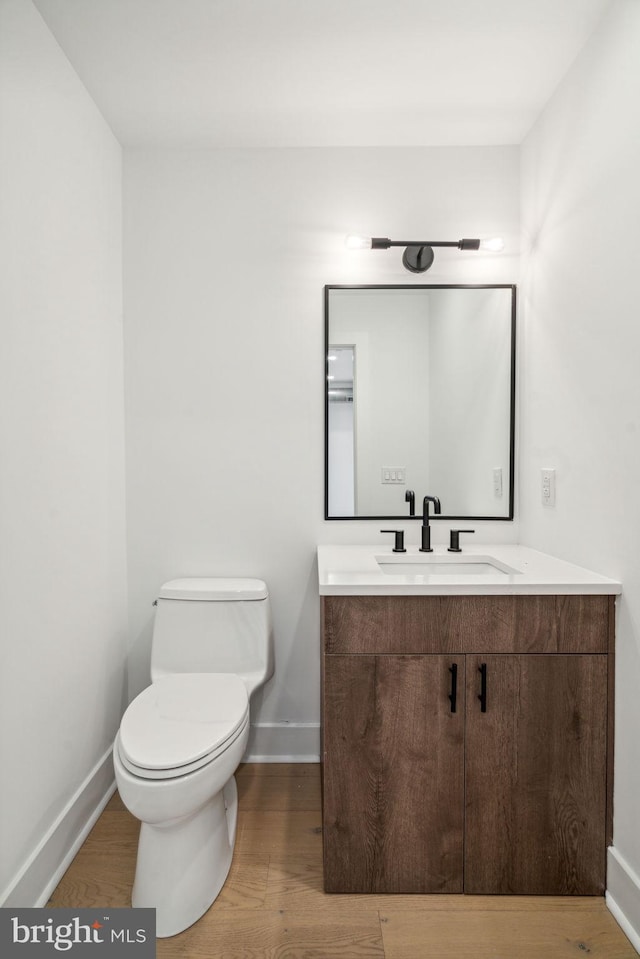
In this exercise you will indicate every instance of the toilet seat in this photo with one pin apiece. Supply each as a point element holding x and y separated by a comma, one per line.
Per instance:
<point>177,771</point>
<point>182,722</point>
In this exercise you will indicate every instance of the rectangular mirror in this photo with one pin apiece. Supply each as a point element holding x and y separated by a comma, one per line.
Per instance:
<point>419,396</point>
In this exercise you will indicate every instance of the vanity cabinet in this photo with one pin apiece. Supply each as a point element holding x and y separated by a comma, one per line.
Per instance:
<point>466,743</point>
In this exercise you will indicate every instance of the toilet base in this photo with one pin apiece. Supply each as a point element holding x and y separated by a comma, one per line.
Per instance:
<point>182,865</point>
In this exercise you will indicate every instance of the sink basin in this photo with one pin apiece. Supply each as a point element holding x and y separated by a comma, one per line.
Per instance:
<point>443,566</point>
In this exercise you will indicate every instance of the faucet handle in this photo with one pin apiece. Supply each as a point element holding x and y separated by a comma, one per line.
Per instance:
<point>454,539</point>
<point>398,546</point>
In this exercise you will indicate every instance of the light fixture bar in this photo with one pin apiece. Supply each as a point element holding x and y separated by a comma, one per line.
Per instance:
<point>382,243</point>
<point>418,255</point>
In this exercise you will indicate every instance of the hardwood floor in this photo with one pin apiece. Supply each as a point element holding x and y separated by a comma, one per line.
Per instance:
<point>273,905</point>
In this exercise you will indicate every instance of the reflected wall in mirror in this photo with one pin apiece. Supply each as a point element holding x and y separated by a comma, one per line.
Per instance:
<point>420,395</point>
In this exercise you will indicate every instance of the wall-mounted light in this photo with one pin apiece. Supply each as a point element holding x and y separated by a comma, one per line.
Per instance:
<point>418,255</point>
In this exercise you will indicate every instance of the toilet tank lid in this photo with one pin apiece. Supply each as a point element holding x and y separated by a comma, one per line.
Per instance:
<point>214,588</point>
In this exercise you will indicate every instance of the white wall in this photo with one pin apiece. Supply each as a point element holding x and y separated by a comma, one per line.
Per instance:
<point>470,380</point>
<point>226,257</point>
<point>581,388</point>
<point>62,545</point>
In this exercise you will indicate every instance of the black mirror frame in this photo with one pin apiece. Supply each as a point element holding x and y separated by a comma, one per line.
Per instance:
<point>512,418</point>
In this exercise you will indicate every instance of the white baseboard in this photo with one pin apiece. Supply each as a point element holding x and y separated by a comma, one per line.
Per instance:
<point>34,883</point>
<point>41,873</point>
<point>623,895</point>
<point>283,743</point>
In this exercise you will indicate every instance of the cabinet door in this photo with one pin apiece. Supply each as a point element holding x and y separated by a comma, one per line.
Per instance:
<point>536,775</point>
<point>393,786</point>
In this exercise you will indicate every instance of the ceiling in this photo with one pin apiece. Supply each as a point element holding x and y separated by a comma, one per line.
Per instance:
<point>272,73</point>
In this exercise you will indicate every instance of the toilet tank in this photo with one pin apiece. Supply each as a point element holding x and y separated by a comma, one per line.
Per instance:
<point>214,625</point>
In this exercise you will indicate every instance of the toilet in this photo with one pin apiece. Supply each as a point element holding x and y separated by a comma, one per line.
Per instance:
<point>181,740</point>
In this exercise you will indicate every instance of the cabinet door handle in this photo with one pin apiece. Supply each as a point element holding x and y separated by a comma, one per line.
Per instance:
<point>453,695</point>
<point>482,669</point>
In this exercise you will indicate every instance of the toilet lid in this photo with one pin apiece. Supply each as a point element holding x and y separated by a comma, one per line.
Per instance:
<point>182,718</point>
<point>214,588</point>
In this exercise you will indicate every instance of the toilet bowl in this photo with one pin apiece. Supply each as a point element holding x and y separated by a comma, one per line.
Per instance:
<point>181,740</point>
<point>175,755</point>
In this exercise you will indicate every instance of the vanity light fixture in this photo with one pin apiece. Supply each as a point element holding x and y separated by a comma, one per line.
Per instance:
<point>418,255</point>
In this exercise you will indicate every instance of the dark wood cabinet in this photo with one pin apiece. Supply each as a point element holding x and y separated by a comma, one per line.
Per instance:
<point>465,743</point>
<point>393,785</point>
<point>535,786</point>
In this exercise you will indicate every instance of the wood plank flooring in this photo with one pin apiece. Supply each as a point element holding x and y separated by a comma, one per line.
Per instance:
<point>273,905</point>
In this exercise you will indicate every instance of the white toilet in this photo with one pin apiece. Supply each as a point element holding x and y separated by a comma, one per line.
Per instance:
<point>181,740</point>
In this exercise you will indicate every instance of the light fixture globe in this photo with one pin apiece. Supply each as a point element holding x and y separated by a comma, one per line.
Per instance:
<point>418,259</point>
<point>357,242</point>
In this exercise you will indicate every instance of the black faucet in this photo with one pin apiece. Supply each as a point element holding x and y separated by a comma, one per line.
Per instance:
<point>426,529</point>
<point>398,543</point>
<point>454,539</point>
<point>410,498</point>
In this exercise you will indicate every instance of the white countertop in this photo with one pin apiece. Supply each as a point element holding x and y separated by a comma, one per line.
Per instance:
<point>354,571</point>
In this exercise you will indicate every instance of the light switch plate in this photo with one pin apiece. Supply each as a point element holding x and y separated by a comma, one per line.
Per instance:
<point>548,487</point>
<point>393,474</point>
